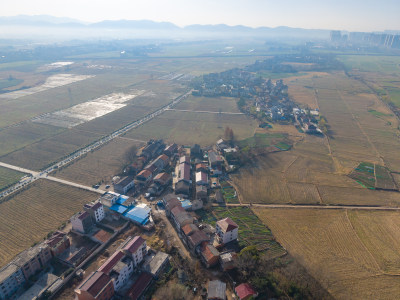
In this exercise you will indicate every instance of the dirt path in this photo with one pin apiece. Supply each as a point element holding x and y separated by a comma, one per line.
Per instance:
<point>303,206</point>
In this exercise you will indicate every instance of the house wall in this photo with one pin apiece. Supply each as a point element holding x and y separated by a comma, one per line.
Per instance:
<point>123,276</point>
<point>11,284</point>
<point>227,237</point>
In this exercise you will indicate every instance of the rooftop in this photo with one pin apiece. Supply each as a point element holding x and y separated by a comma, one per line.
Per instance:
<point>197,238</point>
<point>93,206</point>
<point>245,290</point>
<point>95,283</point>
<point>138,214</point>
<point>184,159</point>
<point>227,224</point>
<point>145,173</point>
<point>7,271</point>
<point>139,286</point>
<point>209,252</point>
<point>119,208</point>
<point>189,229</point>
<point>216,289</point>
<point>111,262</point>
<point>155,263</point>
<point>124,181</point>
<point>28,254</point>
<point>133,244</point>
<point>55,238</point>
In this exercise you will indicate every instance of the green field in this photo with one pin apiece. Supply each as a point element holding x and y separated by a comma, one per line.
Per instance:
<point>9,177</point>
<point>251,230</point>
<point>263,140</point>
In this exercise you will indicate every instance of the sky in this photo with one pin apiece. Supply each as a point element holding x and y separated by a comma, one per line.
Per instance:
<point>352,15</point>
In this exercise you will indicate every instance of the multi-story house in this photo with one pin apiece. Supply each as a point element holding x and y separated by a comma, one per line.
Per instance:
<point>11,279</point>
<point>226,230</point>
<point>33,259</point>
<point>95,210</point>
<point>58,242</point>
<point>82,222</point>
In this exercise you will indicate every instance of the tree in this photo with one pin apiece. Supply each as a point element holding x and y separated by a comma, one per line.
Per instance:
<point>228,135</point>
<point>130,154</point>
<point>248,260</point>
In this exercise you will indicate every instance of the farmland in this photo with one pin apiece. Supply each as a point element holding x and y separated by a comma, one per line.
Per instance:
<point>314,170</point>
<point>100,165</point>
<point>191,127</point>
<point>251,229</point>
<point>8,177</point>
<point>223,104</point>
<point>354,254</point>
<point>30,215</point>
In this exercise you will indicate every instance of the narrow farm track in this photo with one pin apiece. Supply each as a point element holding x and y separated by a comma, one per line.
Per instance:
<point>302,206</point>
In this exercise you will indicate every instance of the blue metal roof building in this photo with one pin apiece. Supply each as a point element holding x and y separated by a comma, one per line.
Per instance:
<point>139,214</point>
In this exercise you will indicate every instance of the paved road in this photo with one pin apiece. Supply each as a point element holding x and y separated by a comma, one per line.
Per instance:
<point>81,186</point>
<point>314,206</point>
<point>19,169</point>
<point>208,112</point>
<point>44,174</point>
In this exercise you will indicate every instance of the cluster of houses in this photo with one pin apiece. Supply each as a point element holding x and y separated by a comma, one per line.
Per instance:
<point>148,167</point>
<point>200,239</point>
<point>127,273</point>
<point>307,120</point>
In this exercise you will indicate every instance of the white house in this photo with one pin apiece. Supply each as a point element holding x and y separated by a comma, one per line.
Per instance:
<point>96,210</point>
<point>119,267</point>
<point>137,248</point>
<point>226,230</point>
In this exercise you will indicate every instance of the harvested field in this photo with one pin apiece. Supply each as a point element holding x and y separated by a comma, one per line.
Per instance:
<point>188,127</point>
<point>100,165</point>
<point>336,253</point>
<point>262,186</point>
<point>380,233</point>
<point>224,104</point>
<point>304,193</point>
<point>354,196</point>
<point>9,177</point>
<point>39,155</point>
<point>12,139</point>
<point>30,215</point>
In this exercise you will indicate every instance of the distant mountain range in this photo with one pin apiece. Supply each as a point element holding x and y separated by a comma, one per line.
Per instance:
<point>147,25</point>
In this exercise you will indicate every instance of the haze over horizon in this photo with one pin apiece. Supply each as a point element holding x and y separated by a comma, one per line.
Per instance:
<point>357,15</point>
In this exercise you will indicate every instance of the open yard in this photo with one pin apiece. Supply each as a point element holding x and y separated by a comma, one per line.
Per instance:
<point>354,254</point>
<point>100,165</point>
<point>28,216</point>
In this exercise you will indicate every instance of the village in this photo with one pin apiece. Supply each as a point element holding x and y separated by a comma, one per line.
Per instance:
<point>261,98</point>
<point>164,187</point>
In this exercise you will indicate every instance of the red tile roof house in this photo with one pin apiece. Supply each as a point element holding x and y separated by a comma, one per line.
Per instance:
<point>209,255</point>
<point>162,178</point>
<point>245,291</point>
<point>170,201</point>
<point>226,230</point>
<point>58,242</point>
<point>143,177</point>
<point>97,286</point>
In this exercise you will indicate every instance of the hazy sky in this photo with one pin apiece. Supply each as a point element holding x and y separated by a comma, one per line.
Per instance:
<point>367,15</point>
